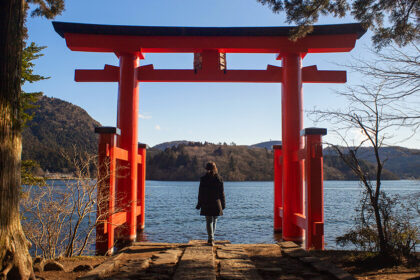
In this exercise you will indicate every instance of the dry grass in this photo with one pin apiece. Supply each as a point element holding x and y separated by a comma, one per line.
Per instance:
<point>367,265</point>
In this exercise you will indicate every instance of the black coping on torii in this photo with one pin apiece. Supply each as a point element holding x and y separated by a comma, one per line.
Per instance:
<point>130,30</point>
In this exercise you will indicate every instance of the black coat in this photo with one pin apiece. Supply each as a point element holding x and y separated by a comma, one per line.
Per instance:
<point>211,195</point>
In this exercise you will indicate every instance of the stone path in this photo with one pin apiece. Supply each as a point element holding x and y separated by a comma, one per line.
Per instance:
<point>197,260</point>
<point>234,263</point>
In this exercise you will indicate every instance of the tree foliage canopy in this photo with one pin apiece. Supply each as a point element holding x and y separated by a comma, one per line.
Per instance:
<point>391,20</point>
<point>47,8</point>
<point>29,54</point>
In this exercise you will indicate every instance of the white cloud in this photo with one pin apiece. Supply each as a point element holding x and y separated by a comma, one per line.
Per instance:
<point>144,117</point>
<point>157,127</point>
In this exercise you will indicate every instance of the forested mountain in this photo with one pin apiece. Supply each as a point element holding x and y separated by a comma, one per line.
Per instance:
<point>58,126</point>
<point>235,163</point>
<point>403,162</point>
<point>187,161</point>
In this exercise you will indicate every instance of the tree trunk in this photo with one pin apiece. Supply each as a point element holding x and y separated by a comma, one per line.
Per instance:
<point>383,248</point>
<point>15,261</point>
<point>383,243</point>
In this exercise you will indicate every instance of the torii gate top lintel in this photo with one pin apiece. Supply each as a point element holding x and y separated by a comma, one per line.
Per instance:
<point>210,45</point>
<point>157,39</point>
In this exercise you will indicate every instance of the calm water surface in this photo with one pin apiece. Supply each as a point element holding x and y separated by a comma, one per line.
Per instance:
<point>248,217</point>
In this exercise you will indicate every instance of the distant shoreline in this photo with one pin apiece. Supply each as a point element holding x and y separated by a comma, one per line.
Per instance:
<point>58,178</point>
<point>273,180</point>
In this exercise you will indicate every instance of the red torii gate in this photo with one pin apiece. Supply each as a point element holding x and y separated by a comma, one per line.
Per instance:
<point>298,160</point>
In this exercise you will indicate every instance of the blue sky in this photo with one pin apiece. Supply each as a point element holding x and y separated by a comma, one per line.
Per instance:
<point>240,113</point>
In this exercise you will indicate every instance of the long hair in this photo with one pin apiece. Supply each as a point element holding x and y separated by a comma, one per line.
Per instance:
<point>211,167</point>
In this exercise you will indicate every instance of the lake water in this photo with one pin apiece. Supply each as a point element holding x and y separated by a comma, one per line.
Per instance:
<point>248,217</point>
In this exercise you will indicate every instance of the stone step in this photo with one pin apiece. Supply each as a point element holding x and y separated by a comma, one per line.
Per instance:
<point>197,262</point>
<point>235,263</point>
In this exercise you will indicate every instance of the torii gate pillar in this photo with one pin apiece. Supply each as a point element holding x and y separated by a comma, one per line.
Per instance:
<point>292,142</point>
<point>127,121</point>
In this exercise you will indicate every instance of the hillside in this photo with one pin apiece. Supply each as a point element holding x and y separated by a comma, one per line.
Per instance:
<point>399,160</point>
<point>165,145</point>
<point>186,161</point>
<point>57,126</point>
<point>268,145</point>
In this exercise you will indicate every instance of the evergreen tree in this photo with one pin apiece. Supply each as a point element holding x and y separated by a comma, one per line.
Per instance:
<point>15,261</point>
<point>29,53</point>
<point>390,20</point>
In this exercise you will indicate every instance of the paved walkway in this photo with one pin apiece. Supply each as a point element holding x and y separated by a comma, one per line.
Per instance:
<point>197,260</point>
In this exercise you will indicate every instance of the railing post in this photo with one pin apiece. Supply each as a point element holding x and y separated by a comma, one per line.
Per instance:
<point>314,179</point>
<point>278,196</point>
<point>106,189</point>
<point>141,187</point>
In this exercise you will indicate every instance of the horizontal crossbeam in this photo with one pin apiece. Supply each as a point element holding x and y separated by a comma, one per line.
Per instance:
<point>311,74</point>
<point>108,74</point>
<point>119,153</point>
<point>121,218</point>
<point>273,74</point>
<point>122,154</point>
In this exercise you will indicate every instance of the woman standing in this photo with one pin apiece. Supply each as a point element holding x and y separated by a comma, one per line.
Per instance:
<point>211,199</point>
